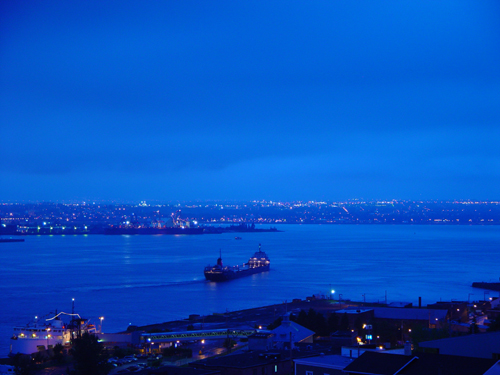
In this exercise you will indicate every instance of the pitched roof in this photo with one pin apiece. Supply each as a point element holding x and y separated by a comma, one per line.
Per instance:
<point>299,333</point>
<point>441,364</point>
<point>333,361</point>
<point>375,363</point>
<point>378,363</point>
<point>175,370</point>
<point>481,345</point>
<point>250,359</point>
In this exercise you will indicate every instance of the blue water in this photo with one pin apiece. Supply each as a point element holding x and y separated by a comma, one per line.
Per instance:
<point>150,279</point>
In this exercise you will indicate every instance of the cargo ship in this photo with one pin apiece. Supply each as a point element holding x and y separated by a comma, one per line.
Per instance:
<point>259,262</point>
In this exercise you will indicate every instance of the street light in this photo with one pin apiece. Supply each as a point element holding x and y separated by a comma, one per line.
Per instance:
<point>101,318</point>
<point>331,293</point>
<point>48,337</point>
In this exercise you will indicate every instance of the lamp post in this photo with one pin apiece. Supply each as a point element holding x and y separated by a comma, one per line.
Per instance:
<point>101,318</point>
<point>331,294</point>
<point>48,337</point>
<point>340,300</point>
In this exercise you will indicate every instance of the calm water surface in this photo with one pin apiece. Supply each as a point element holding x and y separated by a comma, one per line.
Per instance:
<point>150,279</point>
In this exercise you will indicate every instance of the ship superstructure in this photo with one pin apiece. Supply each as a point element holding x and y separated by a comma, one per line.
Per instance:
<point>44,333</point>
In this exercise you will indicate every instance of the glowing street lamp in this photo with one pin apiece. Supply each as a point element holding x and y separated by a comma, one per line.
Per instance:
<point>101,318</point>
<point>48,337</point>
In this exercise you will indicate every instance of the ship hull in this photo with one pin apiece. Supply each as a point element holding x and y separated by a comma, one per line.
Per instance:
<point>230,275</point>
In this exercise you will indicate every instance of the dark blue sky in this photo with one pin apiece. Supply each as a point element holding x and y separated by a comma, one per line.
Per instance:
<point>283,100</point>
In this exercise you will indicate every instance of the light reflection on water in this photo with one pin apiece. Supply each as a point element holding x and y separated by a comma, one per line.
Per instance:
<point>151,279</point>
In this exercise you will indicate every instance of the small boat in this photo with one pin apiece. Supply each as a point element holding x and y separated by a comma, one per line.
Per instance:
<point>11,239</point>
<point>237,238</point>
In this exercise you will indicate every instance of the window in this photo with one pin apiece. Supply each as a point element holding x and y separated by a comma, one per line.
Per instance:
<point>275,368</point>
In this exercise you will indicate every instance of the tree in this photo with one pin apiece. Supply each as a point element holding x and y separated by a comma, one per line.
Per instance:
<point>473,328</point>
<point>420,334</point>
<point>89,356</point>
<point>332,323</point>
<point>275,324</point>
<point>319,325</point>
<point>495,325</point>
<point>23,365</point>
<point>311,319</point>
<point>302,318</point>
<point>58,353</point>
